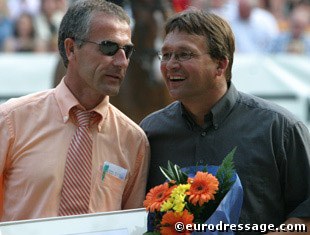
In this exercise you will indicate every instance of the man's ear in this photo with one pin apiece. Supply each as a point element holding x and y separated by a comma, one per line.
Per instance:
<point>222,66</point>
<point>69,47</point>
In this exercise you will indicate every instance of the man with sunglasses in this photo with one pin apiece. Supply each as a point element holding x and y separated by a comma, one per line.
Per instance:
<point>67,150</point>
<point>211,117</point>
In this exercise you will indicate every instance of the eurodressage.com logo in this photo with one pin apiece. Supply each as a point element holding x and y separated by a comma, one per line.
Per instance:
<point>222,227</point>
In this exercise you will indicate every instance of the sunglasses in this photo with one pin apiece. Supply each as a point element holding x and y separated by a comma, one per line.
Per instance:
<point>110,48</point>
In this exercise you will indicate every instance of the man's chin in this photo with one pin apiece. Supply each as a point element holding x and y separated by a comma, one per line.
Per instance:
<point>175,95</point>
<point>112,93</point>
<point>109,90</point>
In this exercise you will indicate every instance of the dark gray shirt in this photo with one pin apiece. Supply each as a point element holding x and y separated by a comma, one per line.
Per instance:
<point>272,157</point>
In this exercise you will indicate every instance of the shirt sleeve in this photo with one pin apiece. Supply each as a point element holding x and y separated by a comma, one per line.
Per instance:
<point>6,136</point>
<point>134,193</point>
<point>297,187</point>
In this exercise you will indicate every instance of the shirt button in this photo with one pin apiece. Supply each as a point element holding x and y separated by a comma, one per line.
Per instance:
<point>216,126</point>
<point>203,133</point>
<point>65,118</point>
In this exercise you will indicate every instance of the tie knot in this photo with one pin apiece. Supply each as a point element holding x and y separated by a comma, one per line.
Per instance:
<point>82,117</point>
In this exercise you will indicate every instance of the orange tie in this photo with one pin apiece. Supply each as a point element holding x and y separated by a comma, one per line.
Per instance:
<point>75,193</point>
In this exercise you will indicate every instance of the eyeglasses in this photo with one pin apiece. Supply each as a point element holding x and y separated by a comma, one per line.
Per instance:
<point>110,48</point>
<point>178,56</point>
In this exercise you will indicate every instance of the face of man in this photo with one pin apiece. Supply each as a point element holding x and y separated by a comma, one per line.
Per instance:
<point>191,79</point>
<point>91,71</point>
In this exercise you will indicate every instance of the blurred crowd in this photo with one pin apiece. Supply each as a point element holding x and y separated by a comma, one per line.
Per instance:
<point>30,25</point>
<point>260,26</point>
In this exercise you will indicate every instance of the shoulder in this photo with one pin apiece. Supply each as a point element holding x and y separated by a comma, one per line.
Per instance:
<point>265,109</point>
<point>25,103</point>
<point>170,112</point>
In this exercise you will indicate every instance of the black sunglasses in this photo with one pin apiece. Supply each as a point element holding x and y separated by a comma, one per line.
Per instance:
<point>110,48</point>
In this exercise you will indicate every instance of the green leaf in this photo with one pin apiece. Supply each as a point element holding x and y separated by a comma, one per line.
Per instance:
<point>166,173</point>
<point>225,172</point>
<point>170,167</point>
<point>174,172</point>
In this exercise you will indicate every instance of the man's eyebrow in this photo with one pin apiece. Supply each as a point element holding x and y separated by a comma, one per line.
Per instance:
<point>184,48</point>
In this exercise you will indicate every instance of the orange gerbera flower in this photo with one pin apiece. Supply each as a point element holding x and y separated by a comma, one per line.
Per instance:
<point>156,197</point>
<point>171,218</point>
<point>203,187</point>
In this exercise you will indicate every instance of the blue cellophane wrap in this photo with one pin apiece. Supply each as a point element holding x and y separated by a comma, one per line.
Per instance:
<point>227,212</point>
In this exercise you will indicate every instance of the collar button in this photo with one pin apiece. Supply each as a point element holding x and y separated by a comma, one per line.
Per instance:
<point>65,118</point>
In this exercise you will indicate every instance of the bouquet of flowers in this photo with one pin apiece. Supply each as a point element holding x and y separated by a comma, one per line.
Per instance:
<point>194,195</point>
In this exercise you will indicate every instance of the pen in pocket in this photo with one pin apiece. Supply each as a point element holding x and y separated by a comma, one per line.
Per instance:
<point>105,169</point>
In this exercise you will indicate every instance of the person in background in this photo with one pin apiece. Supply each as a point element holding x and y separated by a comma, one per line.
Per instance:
<point>47,24</point>
<point>24,38</point>
<point>6,24</point>
<point>227,9</point>
<point>279,9</point>
<point>253,27</point>
<point>67,150</point>
<point>18,7</point>
<point>210,117</point>
<point>296,40</point>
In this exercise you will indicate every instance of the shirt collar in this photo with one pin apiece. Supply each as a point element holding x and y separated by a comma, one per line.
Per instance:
<point>219,112</point>
<point>224,106</point>
<point>66,101</point>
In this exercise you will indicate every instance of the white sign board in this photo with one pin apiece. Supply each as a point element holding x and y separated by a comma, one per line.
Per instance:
<point>126,222</point>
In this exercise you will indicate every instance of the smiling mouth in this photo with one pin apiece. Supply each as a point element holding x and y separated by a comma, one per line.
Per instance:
<point>176,79</point>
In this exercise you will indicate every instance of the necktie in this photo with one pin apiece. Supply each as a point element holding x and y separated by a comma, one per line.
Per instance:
<point>77,178</point>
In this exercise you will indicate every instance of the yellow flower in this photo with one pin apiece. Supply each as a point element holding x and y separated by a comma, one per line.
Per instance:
<point>176,200</point>
<point>181,189</point>
<point>179,203</point>
<point>166,206</point>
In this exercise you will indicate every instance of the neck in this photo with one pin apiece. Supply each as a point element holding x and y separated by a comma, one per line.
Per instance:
<point>89,101</point>
<point>200,106</point>
<point>86,97</point>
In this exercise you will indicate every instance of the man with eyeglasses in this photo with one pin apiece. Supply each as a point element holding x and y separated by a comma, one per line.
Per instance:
<point>67,150</point>
<point>210,117</point>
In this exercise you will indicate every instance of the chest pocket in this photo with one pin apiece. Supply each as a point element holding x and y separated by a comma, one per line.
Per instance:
<point>107,193</point>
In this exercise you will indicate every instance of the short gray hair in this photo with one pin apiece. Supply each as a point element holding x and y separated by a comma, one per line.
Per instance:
<point>76,22</point>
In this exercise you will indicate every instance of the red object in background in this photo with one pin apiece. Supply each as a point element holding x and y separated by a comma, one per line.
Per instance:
<point>180,5</point>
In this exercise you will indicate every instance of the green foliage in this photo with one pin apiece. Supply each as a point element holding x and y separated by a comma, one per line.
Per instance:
<point>173,172</point>
<point>225,173</point>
